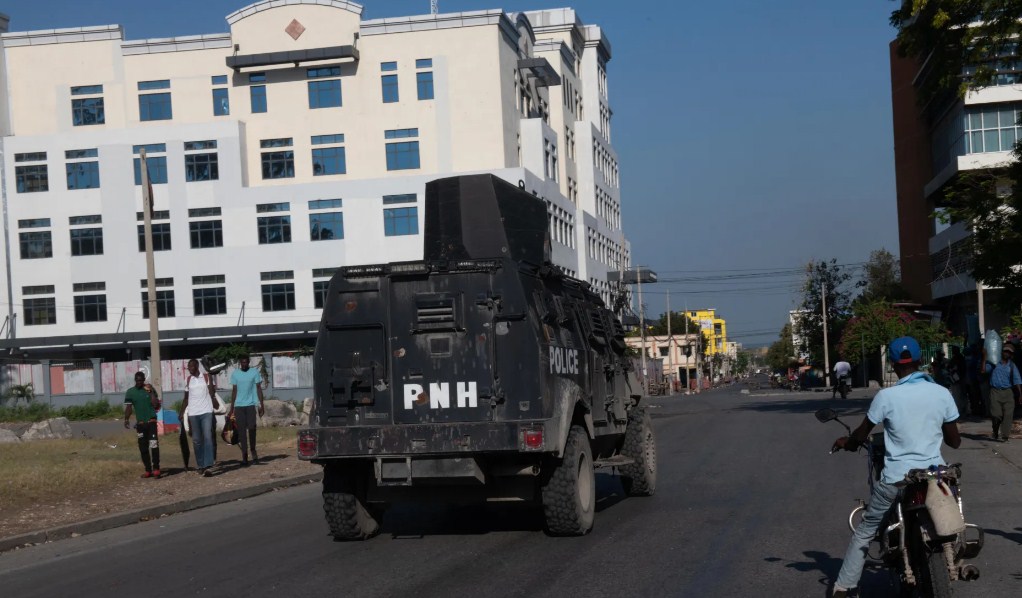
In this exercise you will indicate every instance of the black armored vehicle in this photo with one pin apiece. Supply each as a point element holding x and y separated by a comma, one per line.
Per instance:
<point>481,373</point>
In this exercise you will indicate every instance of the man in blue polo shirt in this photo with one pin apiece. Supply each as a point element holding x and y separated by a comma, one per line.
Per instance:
<point>1003,377</point>
<point>917,415</point>
<point>246,391</point>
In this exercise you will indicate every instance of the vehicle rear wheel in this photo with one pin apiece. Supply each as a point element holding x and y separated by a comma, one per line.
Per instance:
<point>930,569</point>
<point>569,491</point>
<point>639,478</point>
<point>347,513</point>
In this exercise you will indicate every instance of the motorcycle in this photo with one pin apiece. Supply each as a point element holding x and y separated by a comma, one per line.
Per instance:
<point>844,386</point>
<point>907,540</point>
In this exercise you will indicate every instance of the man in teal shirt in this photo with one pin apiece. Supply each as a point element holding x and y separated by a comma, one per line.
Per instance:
<point>917,415</point>
<point>247,390</point>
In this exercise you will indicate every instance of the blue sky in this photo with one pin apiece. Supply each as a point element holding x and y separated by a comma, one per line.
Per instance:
<point>751,134</point>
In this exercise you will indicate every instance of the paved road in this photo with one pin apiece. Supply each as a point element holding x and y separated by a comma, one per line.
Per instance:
<point>749,503</point>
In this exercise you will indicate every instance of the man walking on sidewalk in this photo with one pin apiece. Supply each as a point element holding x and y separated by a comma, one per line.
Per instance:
<point>243,406</point>
<point>143,400</point>
<point>1004,377</point>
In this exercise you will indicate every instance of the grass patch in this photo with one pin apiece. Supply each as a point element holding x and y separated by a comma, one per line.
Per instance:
<point>52,470</point>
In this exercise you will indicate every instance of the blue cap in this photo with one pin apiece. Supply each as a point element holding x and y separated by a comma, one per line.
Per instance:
<point>900,345</point>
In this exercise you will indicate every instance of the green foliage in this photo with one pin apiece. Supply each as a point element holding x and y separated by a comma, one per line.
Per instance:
<point>301,351</point>
<point>230,354</point>
<point>19,392</point>
<point>881,278</point>
<point>34,412</point>
<point>781,353</point>
<point>91,410</point>
<point>822,279</point>
<point>877,323</point>
<point>742,363</point>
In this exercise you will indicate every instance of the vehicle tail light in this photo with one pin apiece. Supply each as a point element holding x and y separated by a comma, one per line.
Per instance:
<point>532,438</point>
<point>307,445</point>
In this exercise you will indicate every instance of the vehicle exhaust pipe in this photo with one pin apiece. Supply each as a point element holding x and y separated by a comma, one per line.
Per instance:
<point>968,573</point>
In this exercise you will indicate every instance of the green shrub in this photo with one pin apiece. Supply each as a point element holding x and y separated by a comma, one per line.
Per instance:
<point>91,410</point>
<point>32,413</point>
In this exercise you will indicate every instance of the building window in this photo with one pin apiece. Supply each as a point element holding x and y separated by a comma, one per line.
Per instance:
<point>389,83</point>
<point>992,128</point>
<point>402,155</point>
<point>279,296</point>
<point>401,221</point>
<point>326,226</point>
<point>86,241</point>
<point>156,165</point>
<point>206,233</point>
<point>36,245</point>
<point>257,93</point>
<point>39,311</point>
<point>319,292</point>
<point>221,102</point>
<point>82,175</point>
<point>87,111</point>
<point>154,106</point>
<point>164,304</point>
<point>201,166</point>
<point>278,164</point>
<point>209,301</point>
<point>329,159</point>
<point>323,92</point>
<point>32,178</point>
<point>90,308</point>
<point>274,229</point>
<point>161,236</point>
<point>424,79</point>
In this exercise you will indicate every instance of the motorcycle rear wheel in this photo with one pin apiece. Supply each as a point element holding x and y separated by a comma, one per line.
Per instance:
<point>931,573</point>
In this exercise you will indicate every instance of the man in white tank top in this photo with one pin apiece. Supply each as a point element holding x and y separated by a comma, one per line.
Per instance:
<point>199,404</point>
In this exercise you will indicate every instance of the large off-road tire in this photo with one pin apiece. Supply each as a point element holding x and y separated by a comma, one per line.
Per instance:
<point>639,478</point>
<point>569,490</point>
<point>347,513</point>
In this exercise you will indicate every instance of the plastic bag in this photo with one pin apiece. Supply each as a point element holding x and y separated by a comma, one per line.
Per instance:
<point>943,508</point>
<point>230,432</point>
<point>993,345</point>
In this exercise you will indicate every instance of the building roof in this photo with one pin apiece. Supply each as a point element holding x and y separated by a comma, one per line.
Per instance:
<point>258,7</point>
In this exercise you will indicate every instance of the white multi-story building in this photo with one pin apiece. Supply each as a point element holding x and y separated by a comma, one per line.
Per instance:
<point>299,141</point>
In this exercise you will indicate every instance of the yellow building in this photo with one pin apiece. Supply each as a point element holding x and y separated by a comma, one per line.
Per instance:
<point>714,328</point>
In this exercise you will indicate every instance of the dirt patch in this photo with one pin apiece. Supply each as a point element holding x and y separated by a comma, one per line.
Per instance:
<point>50,483</point>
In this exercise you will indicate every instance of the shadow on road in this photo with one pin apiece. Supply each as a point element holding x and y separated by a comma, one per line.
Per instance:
<point>875,581</point>
<point>804,405</point>
<point>1015,536</point>
<point>408,522</point>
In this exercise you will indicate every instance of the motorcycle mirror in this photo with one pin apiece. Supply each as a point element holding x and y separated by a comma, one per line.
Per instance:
<point>826,415</point>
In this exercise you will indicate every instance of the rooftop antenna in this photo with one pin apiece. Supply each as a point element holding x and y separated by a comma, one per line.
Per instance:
<point>434,7</point>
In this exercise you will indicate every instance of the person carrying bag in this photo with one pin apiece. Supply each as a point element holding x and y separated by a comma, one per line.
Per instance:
<point>199,404</point>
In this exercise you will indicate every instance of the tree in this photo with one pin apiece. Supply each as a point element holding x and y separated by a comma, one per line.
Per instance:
<point>876,323</point>
<point>822,279</point>
<point>963,44</point>
<point>881,278</point>
<point>781,353</point>
<point>17,392</point>
<point>742,363</point>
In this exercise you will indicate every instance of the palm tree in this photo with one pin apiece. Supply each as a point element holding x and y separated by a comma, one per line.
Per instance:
<point>18,392</point>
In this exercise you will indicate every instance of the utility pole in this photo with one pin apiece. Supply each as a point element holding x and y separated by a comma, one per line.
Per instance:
<point>826,350</point>
<point>642,329</point>
<point>981,309</point>
<point>688,344</point>
<point>155,373</point>
<point>670,346</point>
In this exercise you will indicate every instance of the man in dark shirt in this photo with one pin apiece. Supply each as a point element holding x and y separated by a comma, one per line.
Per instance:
<point>143,400</point>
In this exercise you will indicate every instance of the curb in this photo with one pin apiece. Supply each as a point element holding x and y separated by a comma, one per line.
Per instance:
<point>108,522</point>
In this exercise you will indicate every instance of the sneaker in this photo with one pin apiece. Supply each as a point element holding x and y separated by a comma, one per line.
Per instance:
<point>839,592</point>
<point>206,473</point>
<point>156,473</point>
<point>255,457</point>
<point>1005,439</point>
<point>147,474</point>
<point>244,463</point>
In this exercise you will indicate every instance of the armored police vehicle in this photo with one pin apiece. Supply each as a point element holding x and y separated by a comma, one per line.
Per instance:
<point>481,373</point>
